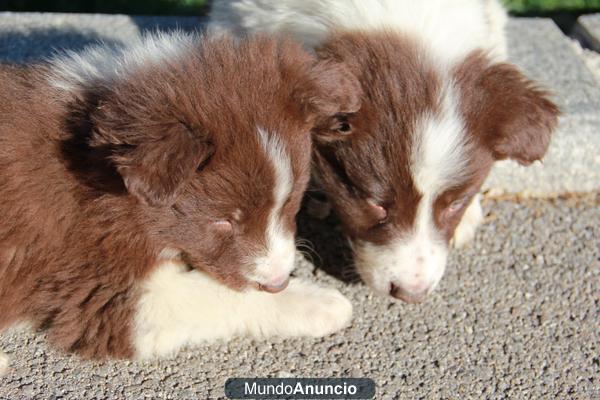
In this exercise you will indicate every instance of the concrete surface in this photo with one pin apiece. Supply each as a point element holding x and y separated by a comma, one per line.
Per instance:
<point>29,37</point>
<point>543,51</point>
<point>515,317</point>
<point>590,57</point>
<point>589,27</point>
<point>573,161</point>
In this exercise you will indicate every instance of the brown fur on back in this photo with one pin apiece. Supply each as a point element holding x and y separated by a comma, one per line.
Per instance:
<point>62,263</point>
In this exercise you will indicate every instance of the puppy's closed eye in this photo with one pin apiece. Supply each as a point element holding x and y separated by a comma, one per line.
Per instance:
<point>456,205</point>
<point>178,211</point>
<point>223,227</point>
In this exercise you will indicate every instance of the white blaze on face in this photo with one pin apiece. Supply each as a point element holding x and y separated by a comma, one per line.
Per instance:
<point>416,260</point>
<point>274,267</point>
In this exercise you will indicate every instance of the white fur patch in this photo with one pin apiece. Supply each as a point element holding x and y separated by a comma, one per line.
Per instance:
<point>4,363</point>
<point>416,263</point>
<point>496,18</point>
<point>450,29</point>
<point>440,149</point>
<point>275,266</point>
<point>466,229</point>
<point>178,307</point>
<point>105,63</point>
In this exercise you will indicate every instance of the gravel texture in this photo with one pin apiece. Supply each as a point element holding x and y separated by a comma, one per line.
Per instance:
<point>516,316</point>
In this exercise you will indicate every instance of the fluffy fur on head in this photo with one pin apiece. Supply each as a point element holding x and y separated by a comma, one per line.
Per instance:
<point>175,147</point>
<point>439,106</point>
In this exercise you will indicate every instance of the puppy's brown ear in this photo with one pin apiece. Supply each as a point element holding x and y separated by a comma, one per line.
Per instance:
<point>154,158</point>
<point>332,95</point>
<point>513,116</point>
<point>155,171</point>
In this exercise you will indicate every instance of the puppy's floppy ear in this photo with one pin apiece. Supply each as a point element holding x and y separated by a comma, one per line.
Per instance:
<point>154,158</point>
<point>513,116</point>
<point>155,171</point>
<point>331,94</point>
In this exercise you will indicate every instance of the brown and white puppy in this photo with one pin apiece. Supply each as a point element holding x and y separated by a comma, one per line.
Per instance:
<point>120,166</point>
<point>439,107</point>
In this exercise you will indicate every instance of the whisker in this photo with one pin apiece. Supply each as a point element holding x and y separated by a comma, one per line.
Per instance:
<point>307,256</point>
<point>307,249</point>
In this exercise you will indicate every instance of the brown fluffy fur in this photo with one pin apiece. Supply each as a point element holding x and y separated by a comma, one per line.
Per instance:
<point>506,115</point>
<point>95,182</point>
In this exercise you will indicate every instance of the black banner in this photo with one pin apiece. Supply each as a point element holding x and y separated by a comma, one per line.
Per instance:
<point>300,388</point>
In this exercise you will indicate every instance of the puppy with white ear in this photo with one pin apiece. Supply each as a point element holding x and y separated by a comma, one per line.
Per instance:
<point>439,106</point>
<point>149,193</point>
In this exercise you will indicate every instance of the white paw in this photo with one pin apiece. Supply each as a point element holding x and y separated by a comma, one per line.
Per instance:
<point>179,308</point>
<point>311,310</point>
<point>4,363</point>
<point>465,231</point>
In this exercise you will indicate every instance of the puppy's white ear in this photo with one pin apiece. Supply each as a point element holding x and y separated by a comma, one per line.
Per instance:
<point>510,113</point>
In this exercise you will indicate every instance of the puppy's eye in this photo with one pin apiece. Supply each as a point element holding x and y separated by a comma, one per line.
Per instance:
<point>223,227</point>
<point>455,205</point>
<point>343,126</point>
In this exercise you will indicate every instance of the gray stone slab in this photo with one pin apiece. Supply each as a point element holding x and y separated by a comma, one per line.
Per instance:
<point>572,163</point>
<point>30,37</point>
<point>544,52</point>
<point>588,27</point>
<point>573,160</point>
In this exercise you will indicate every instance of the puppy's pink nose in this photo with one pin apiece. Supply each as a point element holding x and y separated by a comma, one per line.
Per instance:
<point>409,296</point>
<point>274,286</point>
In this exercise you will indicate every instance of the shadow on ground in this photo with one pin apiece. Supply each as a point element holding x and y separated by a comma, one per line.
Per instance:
<point>323,243</point>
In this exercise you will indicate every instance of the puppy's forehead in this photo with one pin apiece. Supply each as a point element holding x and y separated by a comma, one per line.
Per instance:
<point>409,132</point>
<point>278,156</point>
<point>254,167</point>
<point>439,156</point>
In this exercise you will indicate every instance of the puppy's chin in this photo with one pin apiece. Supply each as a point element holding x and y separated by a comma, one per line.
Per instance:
<point>401,270</point>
